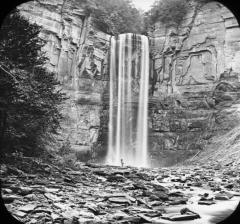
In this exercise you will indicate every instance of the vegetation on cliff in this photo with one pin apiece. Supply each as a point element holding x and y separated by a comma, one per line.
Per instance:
<point>29,98</point>
<point>115,16</point>
<point>120,16</point>
<point>167,12</point>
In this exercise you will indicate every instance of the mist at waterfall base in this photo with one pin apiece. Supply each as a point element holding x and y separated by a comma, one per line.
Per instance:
<point>128,105</point>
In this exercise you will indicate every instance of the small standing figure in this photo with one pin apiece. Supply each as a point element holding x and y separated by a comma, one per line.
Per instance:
<point>122,162</point>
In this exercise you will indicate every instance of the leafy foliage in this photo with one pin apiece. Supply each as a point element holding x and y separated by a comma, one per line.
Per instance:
<point>20,45</point>
<point>167,11</point>
<point>115,16</point>
<point>29,98</point>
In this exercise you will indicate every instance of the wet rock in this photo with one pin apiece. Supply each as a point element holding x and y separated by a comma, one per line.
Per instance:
<point>123,171</point>
<point>33,221</point>
<point>141,201</point>
<point>93,208</point>
<point>176,179</point>
<point>102,179</point>
<point>60,206</point>
<point>229,186</point>
<point>31,197</point>
<point>179,217</point>
<point>6,190</point>
<point>75,172</point>
<point>234,193</point>
<point>27,208</point>
<point>144,176</point>
<point>216,188</point>
<point>115,178</point>
<point>42,210</point>
<point>206,198</point>
<point>22,190</point>
<point>9,198</point>
<point>184,215</point>
<point>68,180</point>
<point>156,203</point>
<point>130,198</point>
<point>176,194</point>
<point>159,187</point>
<point>206,202</point>
<point>44,218</point>
<point>131,219</point>
<point>101,172</point>
<point>119,200</point>
<point>52,197</point>
<point>120,215</point>
<point>196,184</point>
<point>178,201</point>
<point>54,216</point>
<point>19,214</point>
<point>51,190</point>
<point>144,219</point>
<point>138,185</point>
<point>223,196</point>
<point>161,195</point>
<point>71,213</point>
<point>93,165</point>
<point>75,220</point>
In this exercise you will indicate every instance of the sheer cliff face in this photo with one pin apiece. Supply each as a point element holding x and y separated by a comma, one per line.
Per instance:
<point>78,54</point>
<point>195,81</point>
<point>194,77</point>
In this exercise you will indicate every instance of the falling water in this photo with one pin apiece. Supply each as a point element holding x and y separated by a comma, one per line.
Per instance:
<point>128,106</point>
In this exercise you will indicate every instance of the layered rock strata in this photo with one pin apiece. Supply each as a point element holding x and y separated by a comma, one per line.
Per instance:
<point>195,81</point>
<point>78,54</point>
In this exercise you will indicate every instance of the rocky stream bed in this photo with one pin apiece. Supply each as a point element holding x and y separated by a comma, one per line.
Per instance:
<point>38,192</point>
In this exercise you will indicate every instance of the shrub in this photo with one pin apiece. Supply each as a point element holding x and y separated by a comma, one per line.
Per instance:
<point>167,12</point>
<point>115,16</point>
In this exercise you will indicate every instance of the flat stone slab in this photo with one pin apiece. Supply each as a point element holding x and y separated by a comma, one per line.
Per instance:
<point>206,202</point>
<point>180,217</point>
<point>51,190</point>
<point>19,214</point>
<point>119,200</point>
<point>52,197</point>
<point>223,196</point>
<point>27,208</point>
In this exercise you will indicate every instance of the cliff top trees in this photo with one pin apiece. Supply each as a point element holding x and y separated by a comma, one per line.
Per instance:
<point>29,100</point>
<point>115,16</point>
<point>167,11</point>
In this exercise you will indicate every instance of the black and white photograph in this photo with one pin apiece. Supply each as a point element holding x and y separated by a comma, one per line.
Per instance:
<point>120,111</point>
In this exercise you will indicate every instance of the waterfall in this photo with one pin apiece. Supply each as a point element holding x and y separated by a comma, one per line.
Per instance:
<point>128,105</point>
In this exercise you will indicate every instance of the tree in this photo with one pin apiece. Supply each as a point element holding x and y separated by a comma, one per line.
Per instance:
<point>167,12</point>
<point>29,95</point>
<point>20,45</point>
<point>115,16</point>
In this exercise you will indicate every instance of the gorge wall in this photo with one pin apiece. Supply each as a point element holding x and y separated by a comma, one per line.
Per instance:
<point>78,54</point>
<point>194,83</point>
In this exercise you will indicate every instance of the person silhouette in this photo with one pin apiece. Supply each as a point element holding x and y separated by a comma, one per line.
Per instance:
<point>122,163</point>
